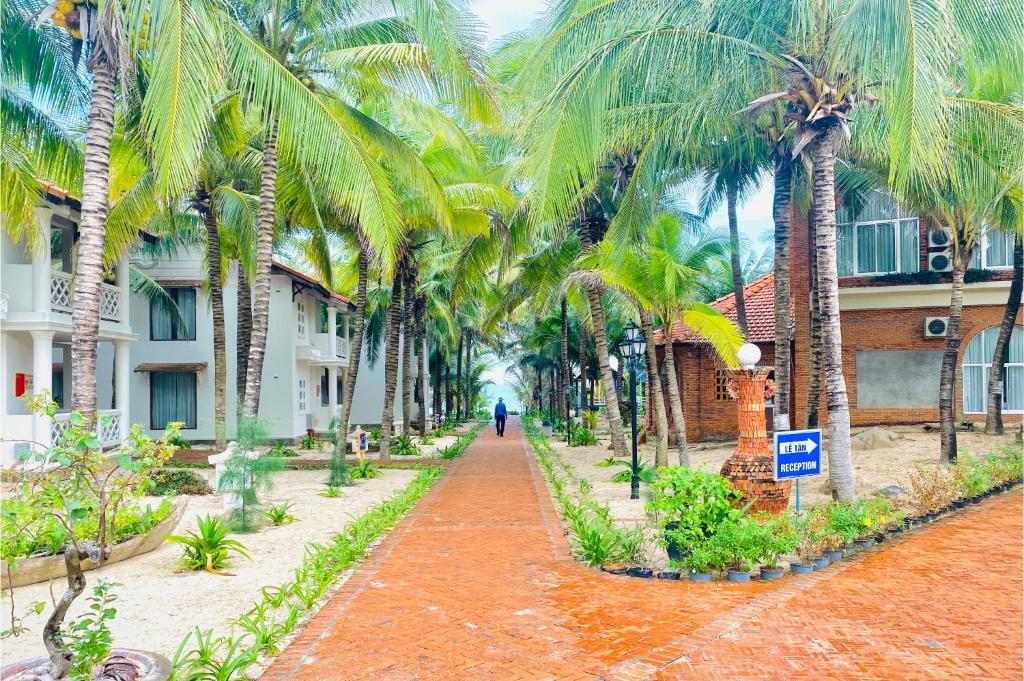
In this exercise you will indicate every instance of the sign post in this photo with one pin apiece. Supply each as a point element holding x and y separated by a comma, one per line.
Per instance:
<point>797,454</point>
<point>359,442</point>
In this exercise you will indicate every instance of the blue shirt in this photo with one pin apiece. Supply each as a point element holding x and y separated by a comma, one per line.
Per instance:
<point>500,410</point>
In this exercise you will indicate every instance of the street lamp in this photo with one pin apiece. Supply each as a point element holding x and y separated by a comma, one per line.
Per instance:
<point>632,348</point>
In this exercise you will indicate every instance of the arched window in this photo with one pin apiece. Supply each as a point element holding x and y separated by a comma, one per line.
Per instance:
<point>978,365</point>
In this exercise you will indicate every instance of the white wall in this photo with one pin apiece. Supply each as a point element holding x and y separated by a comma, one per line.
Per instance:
<point>369,395</point>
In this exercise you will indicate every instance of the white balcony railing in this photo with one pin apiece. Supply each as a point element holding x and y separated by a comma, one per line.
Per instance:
<point>61,297</point>
<point>3,305</point>
<point>341,348</point>
<point>108,431</point>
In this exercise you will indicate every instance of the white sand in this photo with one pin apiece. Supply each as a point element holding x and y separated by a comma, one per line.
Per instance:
<point>158,605</point>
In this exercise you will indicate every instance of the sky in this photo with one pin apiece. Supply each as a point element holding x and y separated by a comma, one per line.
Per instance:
<point>500,17</point>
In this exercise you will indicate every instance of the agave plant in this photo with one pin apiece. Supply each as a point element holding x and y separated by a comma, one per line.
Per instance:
<point>209,548</point>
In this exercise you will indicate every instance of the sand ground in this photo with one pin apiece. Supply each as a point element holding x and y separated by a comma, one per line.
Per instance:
<point>158,605</point>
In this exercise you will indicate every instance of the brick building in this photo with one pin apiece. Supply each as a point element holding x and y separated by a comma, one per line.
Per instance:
<point>894,299</point>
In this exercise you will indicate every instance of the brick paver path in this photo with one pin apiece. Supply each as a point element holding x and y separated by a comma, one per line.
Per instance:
<point>477,583</point>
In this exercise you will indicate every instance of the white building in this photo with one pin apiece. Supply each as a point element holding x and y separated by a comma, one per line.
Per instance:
<point>35,334</point>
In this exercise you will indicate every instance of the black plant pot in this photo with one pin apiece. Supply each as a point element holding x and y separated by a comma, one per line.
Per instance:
<point>641,572</point>
<point>959,503</point>
<point>879,538</point>
<point>821,562</point>
<point>668,574</point>
<point>800,568</point>
<point>772,573</point>
<point>675,551</point>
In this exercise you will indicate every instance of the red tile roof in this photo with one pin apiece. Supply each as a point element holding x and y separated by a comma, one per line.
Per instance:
<point>759,298</point>
<point>310,280</point>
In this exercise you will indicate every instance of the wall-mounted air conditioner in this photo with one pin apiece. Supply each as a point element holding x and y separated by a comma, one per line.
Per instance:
<point>940,261</point>
<point>935,327</point>
<point>939,237</point>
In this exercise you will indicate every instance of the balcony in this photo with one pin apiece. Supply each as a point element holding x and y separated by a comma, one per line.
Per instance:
<point>61,297</point>
<point>108,431</point>
<point>321,350</point>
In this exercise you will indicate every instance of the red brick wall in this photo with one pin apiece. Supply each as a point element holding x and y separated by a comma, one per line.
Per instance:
<point>896,329</point>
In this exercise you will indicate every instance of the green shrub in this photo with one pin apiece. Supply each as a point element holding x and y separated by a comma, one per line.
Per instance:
<point>426,439</point>
<point>598,541</point>
<point>774,536</point>
<point>696,502</point>
<point>364,470</point>
<point>88,637</point>
<point>740,542</point>
<point>309,441</point>
<point>279,450</point>
<point>280,514</point>
<point>209,548</point>
<point>846,518</point>
<point>971,476</point>
<point>331,492</point>
<point>581,437</point>
<point>644,472</point>
<point>179,481</point>
<point>404,446</point>
<point>179,442</point>
<point>705,557</point>
<point>246,478</point>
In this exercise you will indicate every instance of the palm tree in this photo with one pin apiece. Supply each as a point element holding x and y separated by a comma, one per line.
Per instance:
<point>994,408</point>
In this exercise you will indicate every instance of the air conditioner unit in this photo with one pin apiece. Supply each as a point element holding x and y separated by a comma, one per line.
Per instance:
<point>940,261</point>
<point>935,327</point>
<point>939,237</point>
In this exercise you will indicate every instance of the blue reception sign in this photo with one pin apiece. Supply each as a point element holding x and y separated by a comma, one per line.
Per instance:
<point>797,454</point>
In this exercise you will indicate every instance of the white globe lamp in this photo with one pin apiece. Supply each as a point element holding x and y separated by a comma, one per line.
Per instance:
<point>748,355</point>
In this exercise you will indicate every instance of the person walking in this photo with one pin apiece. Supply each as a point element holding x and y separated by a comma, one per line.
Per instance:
<point>500,414</point>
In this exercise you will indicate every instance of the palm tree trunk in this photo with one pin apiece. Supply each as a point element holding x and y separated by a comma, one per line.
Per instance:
<point>814,379</point>
<point>220,369</point>
<point>408,340</point>
<point>994,412</point>
<point>387,418</point>
<point>734,257</point>
<point>675,402</point>
<point>85,314</point>
<point>611,397</point>
<point>261,283</point>
<point>583,367</point>
<point>469,374</point>
<point>654,388</point>
<point>840,461</point>
<point>781,207</point>
<point>566,374</point>
<point>947,377</point>
<point>355,352</point>
<point>458,377</point>
<point>421,332</point>
<point>243,333</point>
<point>447,390</point>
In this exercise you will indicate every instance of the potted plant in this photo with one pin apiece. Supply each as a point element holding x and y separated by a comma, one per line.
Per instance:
<point>704,559</point>
<point>773,537</point>
<point>812,529</point>
<point>690,504</point>
<point>845,519</point>
<point>83,487</point>
<point>738,543</point>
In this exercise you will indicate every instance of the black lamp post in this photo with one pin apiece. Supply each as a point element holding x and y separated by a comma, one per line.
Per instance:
<point>633,347</point>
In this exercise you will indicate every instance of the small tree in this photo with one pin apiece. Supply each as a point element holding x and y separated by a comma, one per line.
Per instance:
<point>246,475</point>
<point>74,481</point>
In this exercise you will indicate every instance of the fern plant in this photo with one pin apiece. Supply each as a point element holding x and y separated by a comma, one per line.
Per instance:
<point>209,548</point>
<point>364,470</point>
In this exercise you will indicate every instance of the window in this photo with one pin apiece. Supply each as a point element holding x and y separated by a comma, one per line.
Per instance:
<point>341,387</point>
<point>978,366</point>
<point>722,385</point>
<point>300,317</point>
<point>303,390</point>
<point>169,324</point>
<point>325,385</point>
<point>995,250</point>
<point>172,397</point>
<point>878,247</point>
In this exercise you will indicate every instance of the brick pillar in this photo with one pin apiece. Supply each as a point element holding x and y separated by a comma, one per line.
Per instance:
<point>750,467</point>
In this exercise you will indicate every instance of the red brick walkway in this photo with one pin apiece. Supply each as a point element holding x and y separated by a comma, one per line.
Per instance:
<point>477,583</point>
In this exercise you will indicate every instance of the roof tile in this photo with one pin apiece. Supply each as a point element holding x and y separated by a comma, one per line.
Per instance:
<point>759,299</point>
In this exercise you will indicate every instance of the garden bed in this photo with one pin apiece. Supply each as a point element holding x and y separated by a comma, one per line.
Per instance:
<point>158,605</point>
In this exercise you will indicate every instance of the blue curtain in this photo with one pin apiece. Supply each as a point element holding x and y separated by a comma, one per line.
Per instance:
<point>172,398</point>
<point>909,258</point>
<point>978,365</point>
<point>164,325</point>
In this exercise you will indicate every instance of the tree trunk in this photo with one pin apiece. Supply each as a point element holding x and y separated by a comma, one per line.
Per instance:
<point>675,402</point>
<point>220,358</point>
<point>408,341</point>
<point>994,412</point>
<point>583,367</point>
<point>734,258</point>
<point>355,352</point>
<point>458,377</point>
<point>781,207</point>
<point>840,461</point>
<point>565,370</point>
<point>447,390</point>
<point>654,388</point>
<point>469,374</point>
<point>814,378</point>
<point>261,283</point>
<point>244,335</point>
<point>92,228</point>
<point>947,377</point>
<point>387,418</point>
<point>60,656</point>
<point>611,397</point>
<point>421,332</point>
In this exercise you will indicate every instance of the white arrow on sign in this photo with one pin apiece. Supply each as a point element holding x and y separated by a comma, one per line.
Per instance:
<point>798,447</point>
